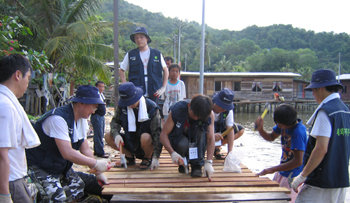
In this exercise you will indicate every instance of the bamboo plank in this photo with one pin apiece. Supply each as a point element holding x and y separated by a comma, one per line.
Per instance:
<point>188,180</point>
<point>165,169</point>
<point>201,190</point>
<point>174,175</point>
<point>235,197</point>
<point>195,184</point>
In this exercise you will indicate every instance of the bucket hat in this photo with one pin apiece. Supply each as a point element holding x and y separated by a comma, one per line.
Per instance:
<point>224,99</point>
<point>129,94</point>
<point>87,94</point>
<point>323,78</point>
<point>140,30</point>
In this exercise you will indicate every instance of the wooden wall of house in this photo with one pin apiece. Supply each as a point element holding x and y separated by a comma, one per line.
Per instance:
<point>345,95</point>
<point>246,93</point>
<point>266,92</point>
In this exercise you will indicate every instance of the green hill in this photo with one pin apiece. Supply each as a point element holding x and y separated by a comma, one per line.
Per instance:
<point>271,48</point>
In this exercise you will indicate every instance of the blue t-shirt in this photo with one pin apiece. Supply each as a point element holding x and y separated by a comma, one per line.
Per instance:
<point>292,139</point>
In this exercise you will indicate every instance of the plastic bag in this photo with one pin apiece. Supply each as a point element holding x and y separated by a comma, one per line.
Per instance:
<point>232,163</point>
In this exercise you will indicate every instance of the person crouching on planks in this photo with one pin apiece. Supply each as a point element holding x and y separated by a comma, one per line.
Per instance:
<point>188,132</point>
<point>224,120</point>
<point>140,119</point>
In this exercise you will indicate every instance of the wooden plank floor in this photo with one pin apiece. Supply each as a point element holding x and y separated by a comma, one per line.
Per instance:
<point>166,184</point>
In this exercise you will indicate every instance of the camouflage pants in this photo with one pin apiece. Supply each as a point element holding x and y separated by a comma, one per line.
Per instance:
<point>57,188</point>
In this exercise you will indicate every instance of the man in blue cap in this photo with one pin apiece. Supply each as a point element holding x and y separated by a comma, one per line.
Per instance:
<point>224,119</point>
<point>146,66</point>
<point>326,159</point>
<point>62,132</point>
<point>140,119</point>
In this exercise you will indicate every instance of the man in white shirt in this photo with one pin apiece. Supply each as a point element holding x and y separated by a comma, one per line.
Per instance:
<point>224,119</point>
<point>146,66</point>
<point>62,132</point>
<point>16,130</point>
<point>326,159</point>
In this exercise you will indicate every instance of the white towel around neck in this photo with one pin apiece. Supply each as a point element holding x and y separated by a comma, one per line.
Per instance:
<point>142,115</point>
<point>30,138</point>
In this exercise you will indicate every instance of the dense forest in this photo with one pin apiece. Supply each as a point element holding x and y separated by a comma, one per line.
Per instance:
<point>272,48</point>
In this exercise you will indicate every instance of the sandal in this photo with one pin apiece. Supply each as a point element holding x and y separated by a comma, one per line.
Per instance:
<point>217,154</point>
<point>145,164</point>
<point>130,161</point>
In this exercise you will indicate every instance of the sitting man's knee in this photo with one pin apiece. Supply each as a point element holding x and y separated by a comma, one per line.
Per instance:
<point>146,138</point>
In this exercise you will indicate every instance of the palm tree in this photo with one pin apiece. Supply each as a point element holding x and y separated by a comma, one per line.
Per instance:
<point>223,65</point>
<point>67,31</point>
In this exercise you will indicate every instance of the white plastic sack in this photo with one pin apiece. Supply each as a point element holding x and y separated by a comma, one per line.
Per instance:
<point>232,163</point>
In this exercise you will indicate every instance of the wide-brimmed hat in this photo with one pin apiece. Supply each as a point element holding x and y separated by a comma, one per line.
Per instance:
<point>129,94</point>
<point>323,78</point>
<point>87,94</point>
<point>140,30</point>
<point>224,99</point>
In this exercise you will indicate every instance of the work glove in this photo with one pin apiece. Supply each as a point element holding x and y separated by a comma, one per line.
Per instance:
<point>208,168</point>
<point>101,165</point>
<point>159,92</point>
<point>101,177</point>
<point>118,140</point>
<point>5,198</point>
<point>297,182</point>
<point>155,163</point>
<point>175,157</point>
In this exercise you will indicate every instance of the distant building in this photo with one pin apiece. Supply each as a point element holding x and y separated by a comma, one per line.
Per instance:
<point>345,81</point>
<point>248,86</point>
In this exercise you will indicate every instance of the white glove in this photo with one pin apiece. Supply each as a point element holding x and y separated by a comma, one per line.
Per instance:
<point>5,198</point>
<point>118,140</point>
<point>155,163</point>
<point>297,181</point>
<point>175,157</point>
<point>159,92</point>
<point>208,168</point>
<point>101,165</point>
<point>101,177</point>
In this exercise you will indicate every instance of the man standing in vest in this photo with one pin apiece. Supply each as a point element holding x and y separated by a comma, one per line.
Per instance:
<point>188,132</point>
<point>62,132</point>
<point>98,123</point>
<point>147,68</point>
<point>140,119</point>
<point>326,159</point>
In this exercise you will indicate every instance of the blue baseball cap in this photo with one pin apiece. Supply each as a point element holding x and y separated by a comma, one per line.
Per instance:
<point>140,30</point>
<point>323,78</point>
<point>87,94</point>
<point>224,99</point>
<point>129,94</point>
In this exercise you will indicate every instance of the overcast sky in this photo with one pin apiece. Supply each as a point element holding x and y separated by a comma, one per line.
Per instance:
<point>316,15</point>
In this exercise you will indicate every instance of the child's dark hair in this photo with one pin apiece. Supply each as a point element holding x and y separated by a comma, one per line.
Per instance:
<point>11,63</point>
<point>285,114</point>
<point>174,65</point>
<point>168,58</point>
<point>99,82</point>
<point>201,105</point>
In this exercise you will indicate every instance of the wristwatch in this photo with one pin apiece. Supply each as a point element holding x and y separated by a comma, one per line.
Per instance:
<point>209,161</point>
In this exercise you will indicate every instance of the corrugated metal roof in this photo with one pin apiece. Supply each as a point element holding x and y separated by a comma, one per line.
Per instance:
<point>344,77</point>
<point>243,74</point>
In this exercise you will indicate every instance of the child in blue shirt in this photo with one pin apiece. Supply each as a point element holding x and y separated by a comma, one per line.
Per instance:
<point>293,141</point>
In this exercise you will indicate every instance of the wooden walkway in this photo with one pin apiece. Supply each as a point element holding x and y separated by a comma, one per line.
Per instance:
<point>166,184</point>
